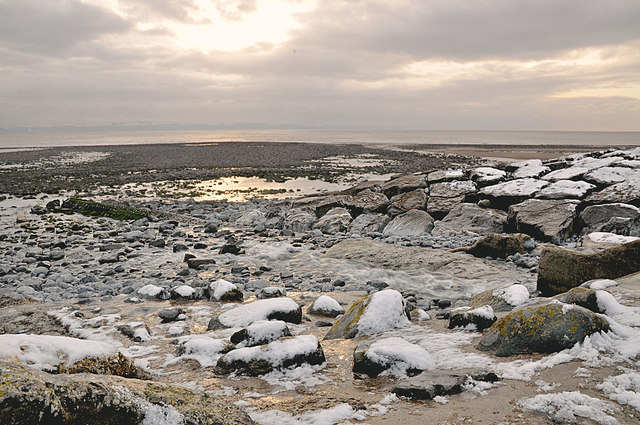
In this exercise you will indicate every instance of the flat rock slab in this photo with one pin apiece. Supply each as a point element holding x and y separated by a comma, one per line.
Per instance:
<point>404,184</point>
<point>366,201</point>
<point>470,218</point>
<point>512,192</point>
<point>412,224</point>
<point>562,269</point>
<point>627,192</point>
<point>396,257</point>
<point>546,220</point>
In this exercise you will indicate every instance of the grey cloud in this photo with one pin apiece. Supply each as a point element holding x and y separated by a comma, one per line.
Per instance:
<point>54,26</point>
<point>472,29</point>
<point>234,10</point>
<point>150,10</point>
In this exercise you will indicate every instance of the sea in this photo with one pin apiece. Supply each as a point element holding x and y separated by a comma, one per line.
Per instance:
<point>40,139</point>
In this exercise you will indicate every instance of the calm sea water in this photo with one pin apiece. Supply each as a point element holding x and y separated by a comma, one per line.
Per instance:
<point>29,140</point>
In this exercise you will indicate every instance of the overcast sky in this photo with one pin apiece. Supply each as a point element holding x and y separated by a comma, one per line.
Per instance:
<point>397,64</point>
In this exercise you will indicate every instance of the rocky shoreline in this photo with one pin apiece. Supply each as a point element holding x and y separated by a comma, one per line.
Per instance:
<point>465,286</point>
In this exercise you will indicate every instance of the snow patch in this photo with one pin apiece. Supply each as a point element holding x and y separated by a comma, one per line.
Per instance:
<point>385,311</point>
<point>565,406</point>
<point>401,354</point>
<point>258,310</point>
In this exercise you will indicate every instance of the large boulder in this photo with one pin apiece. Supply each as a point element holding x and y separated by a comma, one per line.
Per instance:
<point>366,201</point>
<point>328,203</point>
<point>369,223</point>
<point>569,173</point>
<point>597,218</point>
<point>281,354</point>
<point>566,189</point>
<point>470,218</point>
<point>412,224</point>
<point>30,397</point>
<point>499,245</point>
<point>334,221</point>
<point>502,195</point>
<point>404,184</point>
<point>223,290</point>
<point>298,221</point>
<point>392,355</point>
<point>561,269</point>
<point>370,315</point>
<point>283,308</point>
<point>252,218</point>
<point>545,328</point>
<point>584,297</point>
<point>429,385</point>
<point>414,200</point>
<point>627,192</point>
<point>546,220</point>
<point>443,197</point>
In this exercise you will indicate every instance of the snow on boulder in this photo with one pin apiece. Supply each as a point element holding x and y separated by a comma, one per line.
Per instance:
<point>501,299</point>
<point>281,354</point>
<point>472,319</point>
<point>563,189</point>
<point>153,292</point>
<point>511,192</point>
<point>283,308</point>
<point>205,349</point>
<point>391,356</point>
<point>370,315</point>
<point>260,333</point>
<point>185,292</point>
<point>529,168</point>
<point>223,290</point>
<point>326,306</point>
<point>545,328</point>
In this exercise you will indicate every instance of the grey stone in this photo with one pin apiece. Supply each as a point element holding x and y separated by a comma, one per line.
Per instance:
<point>366,201</point>
<point>169,314</point>
<point>470,218</point>
<point>545,220</point>
<point>334,221</point>
<point>369,223</point>
<point>414,200</point>
<point>594,217</point>
<point>627,192</point>
<point>404,184</point>
<point>299,221</point>
<point>412,224</point>
<point>511,192</point>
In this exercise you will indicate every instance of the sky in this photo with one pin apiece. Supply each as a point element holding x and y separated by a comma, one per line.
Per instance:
<point>388,64</point>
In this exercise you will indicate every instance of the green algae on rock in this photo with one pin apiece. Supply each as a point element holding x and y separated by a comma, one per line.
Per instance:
<point>546,328</point>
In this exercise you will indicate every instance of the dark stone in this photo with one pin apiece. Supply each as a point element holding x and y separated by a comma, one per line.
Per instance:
<point>584,297</point>
<point>179,247</point>
<point>169,314</point>
<point>404,184</point>
<point>561,269</point>
<point>499,246</point>
<point>158,243</point>
<point>377,284</point>
<point>546,328</point>
<point>230,248</point>
<point>463,318</point>
<point>444,303</point>
<point>195,263</point>
<point>428,385</point>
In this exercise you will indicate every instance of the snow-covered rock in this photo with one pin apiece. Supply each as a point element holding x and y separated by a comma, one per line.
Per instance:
<point>391,356</point>
<point>478,318</point>
<point>260,332</point>
<point>223,290</point>
<point>284,309</point>
<point>326,306</point>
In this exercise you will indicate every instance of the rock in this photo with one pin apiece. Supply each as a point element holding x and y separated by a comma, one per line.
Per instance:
<point>211,227</point>
<point>110,258</point>
<point>593,218</point>
<point>169,314</point>
<point>501,299</point>
<point>158,243</point>
<point>284,309</point>
<point>375,313</point>
<point>260,333</point>
<point>299,221</point>
<point>499,246</point>
<point>334,221</point>
<point>366,201</point>
<point>445,175</point>
<point>185,292</point>
<point>153,292</point>
<point>325,306</point>
<point>546,328</point>
<point>222,290</point>
<point>606,176</point>
<point>178,247</point>
<point>485,176</point>
<point>597,241</point>
<point>570,173</point>
<point>479,318</point>
<point>503,195</point>
<point>545,220</point>
<point>392,354</point>
<point>281,354</point>
<point>528,169</point>
<point>252,218</point>
<point>271,292</point>
<point>561,269</point>
<point>470,219</point>
<point>40,398</point>
<point>414,200</point>
<point>196,263</point>
<point>136,333</point>
<point>428,385</point>
<point>404,184</point>
<point>412,224</point>
<point>329,203</point>
<point>56,254</point>
<point>231,247</point>
<point>565,189</point>
<point>584,297</point>
<point>397,257</point>
<point>627,192</point>
<point>443,197</point>
<point>369,223</point>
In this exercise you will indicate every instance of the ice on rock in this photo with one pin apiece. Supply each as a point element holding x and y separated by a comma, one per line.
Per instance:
<point>610,238</point>
<point>150,290</point>
<point>46,352</point>
<point>276,352</point>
